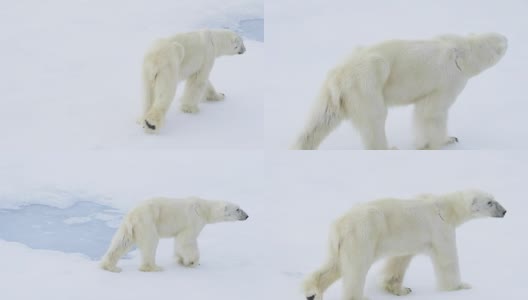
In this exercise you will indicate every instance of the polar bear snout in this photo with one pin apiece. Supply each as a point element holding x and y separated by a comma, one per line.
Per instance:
<point>242,49</point>
<point>501,212</point>
<point>499,44</point>
<point>502,47</point>
<point>242,215</point>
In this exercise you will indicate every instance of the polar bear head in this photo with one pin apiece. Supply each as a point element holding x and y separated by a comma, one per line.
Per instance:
<point>222,211</point>
<point>484,205</point>
<point>227,42</point>
<point>480,52</point>
<point>234,213</point>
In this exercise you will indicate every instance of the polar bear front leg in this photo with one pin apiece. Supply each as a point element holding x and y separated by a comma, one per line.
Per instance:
<point>211,94</point>
<point>445,262</point>
<point>430,121</point>
<point>186,250</point>
<point>393,274</point>
<point>195,89</point>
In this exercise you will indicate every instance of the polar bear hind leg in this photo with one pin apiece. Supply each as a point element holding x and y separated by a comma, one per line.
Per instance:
<point>393,274</point>
<point>147,242</point>
<point>370,121</point>
<point>164,90</point>
<point>319,281</point>
<point>121,243</point>
<point>365,104</point>
<point>160,78</point>
<point>355,262</point>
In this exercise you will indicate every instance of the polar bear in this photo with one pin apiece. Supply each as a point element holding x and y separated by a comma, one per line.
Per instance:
<point>398,230</point>
<point>429,74</point>
<point>186,56</point>
<point>181,219</point>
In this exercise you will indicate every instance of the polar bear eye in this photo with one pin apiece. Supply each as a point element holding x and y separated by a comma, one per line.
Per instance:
<point>238,209</point>
<point>490,203</point>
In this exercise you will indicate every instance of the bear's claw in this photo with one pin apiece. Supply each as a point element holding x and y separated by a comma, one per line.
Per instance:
<point>150,126</point>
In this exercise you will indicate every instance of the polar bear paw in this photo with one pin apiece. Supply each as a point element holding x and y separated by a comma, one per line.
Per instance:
<point>463,286</point>
<point>394,287</point>
<point>150,268</point>
<point>152,122</point>
<point>114,269</point>
<point>190,109</point>
<point>216,97</point>
<point>150,126</point>
<point>189,263</point>
<point>314,297</point>
<point>451,140</point>
<point>401,291</point>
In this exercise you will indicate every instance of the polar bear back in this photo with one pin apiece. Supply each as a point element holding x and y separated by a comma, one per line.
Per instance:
<point>398,227</point>
<point>169,216</point>
<point>405,71</point>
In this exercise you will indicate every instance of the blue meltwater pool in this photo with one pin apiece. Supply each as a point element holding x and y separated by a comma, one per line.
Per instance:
<point>85,227</point>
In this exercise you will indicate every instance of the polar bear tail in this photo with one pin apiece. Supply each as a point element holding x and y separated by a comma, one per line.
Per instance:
<point>325,116</point>
<point>121,243</point>
<point>316,284</point>
<point>160,70</point>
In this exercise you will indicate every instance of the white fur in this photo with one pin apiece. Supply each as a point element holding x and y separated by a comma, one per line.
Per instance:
<point>398,230</point>
<point>181,219</point>
<point>429,74</point>
<point>186,56</point>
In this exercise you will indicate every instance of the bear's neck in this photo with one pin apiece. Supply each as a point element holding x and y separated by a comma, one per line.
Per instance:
<point>454,209</point>
<point>219,42</point>
<point>210,213</point>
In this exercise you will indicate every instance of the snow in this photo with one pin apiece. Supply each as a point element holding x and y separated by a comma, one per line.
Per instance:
<point>306,40</point>
<point>291,198</point>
